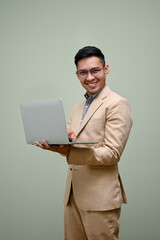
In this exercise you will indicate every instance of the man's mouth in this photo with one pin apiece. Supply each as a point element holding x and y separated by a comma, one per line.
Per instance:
<point>92,84</point>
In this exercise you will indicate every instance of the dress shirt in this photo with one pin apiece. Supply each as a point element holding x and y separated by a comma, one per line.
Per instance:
<point>89,100</point>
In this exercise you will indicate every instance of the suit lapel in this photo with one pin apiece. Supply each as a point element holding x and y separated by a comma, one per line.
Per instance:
<point>78,118</point>
<point>97,102</point>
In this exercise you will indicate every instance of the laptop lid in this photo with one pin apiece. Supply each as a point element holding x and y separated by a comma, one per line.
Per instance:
<point>45,120</point>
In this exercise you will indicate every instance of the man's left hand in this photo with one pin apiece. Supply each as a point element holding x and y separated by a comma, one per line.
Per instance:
<point>62,149</point>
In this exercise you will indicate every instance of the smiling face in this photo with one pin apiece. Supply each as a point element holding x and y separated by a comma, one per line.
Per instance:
<point>94,79</point>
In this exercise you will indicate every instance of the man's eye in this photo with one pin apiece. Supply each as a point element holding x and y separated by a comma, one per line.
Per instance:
<point>95,70</point>
<point>82,72</point>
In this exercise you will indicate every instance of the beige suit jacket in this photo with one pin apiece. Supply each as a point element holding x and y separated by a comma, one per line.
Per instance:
<point>93,169</point>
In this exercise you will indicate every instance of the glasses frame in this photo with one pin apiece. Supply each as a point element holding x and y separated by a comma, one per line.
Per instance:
<point>85,72</point>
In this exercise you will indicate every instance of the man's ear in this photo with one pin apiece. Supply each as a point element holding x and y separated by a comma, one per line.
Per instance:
<point>106,69</point>
<point>77,74</point>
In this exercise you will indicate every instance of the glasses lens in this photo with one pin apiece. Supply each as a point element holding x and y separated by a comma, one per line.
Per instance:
<point>82,73</point>
<point>95,71</point>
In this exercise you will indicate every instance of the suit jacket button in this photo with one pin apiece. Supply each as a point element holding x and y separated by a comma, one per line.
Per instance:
<point>71,169</point>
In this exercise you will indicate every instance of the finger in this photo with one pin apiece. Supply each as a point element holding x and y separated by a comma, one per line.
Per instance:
<point>45,144</point>
<point>70,132</point>
<point>39,145</point>
<point>73,137</point>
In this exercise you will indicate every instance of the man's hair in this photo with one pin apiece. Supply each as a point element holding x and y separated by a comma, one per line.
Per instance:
<point>89,51</point>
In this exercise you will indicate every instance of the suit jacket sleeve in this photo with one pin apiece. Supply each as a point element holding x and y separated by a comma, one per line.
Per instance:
<point>118,123</point>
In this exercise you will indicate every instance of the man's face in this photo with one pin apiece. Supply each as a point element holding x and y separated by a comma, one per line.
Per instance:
<point>95,79</point>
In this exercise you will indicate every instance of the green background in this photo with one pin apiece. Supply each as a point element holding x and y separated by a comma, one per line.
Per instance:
<point>38,41</point>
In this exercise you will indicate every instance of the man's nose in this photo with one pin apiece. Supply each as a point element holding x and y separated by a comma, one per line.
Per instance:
<point>89,76</point>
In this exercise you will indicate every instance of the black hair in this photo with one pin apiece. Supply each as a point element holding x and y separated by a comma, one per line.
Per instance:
<point>89,51</point>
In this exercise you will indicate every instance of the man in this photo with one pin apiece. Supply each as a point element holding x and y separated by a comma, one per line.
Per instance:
<point>94,191</point>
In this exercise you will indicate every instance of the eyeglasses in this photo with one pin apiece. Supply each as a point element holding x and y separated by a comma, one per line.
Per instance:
<point>93,71</point>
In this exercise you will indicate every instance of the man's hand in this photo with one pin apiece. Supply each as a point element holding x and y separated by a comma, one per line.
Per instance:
<point>62,149</point>
<point>71,135</point>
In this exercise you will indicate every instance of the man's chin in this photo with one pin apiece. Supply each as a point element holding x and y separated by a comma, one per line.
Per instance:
<point>92,92</point>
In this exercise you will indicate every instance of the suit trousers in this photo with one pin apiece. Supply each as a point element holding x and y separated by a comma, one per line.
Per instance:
<point>90,225</point>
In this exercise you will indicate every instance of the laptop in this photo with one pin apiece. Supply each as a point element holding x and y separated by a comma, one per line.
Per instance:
<point>45,120</point>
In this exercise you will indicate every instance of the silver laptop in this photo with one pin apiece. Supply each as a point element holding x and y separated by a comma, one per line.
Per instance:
<point>45,120</point>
